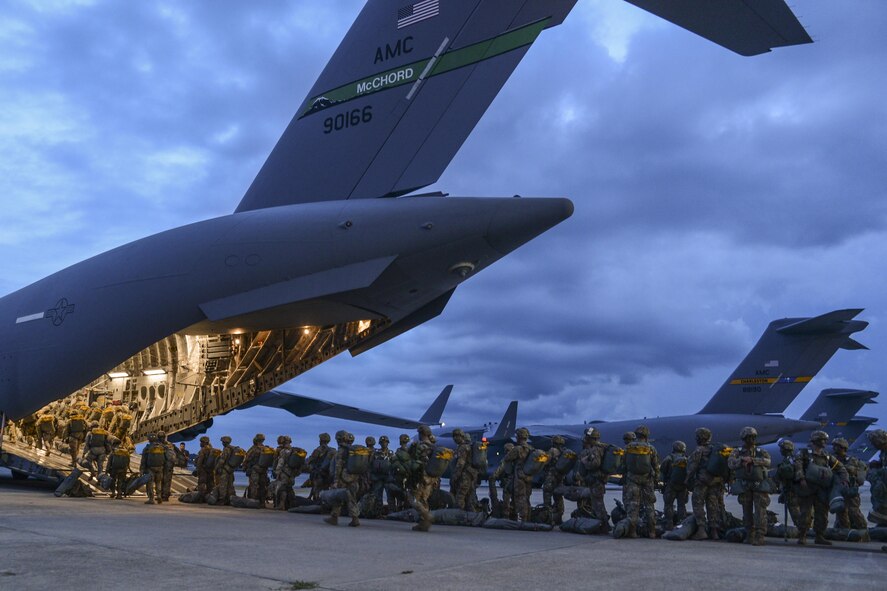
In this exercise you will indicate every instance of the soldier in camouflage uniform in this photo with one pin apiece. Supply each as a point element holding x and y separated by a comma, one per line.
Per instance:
<point>349,482</point>
<point>118,470</point>
<point>591,466</point>
<point>851,517</point>
<point>523,484</point>
<point>554,479</point>
<point>877,476</point>
<point>258,475</point>
<point>421,484</point>
<point>814,504</point>
<point>224,474</point>
<point>708,490</point>
<point>641,476</point>
<point>463,475</point>
<point>47,427</point>
<point>750,465</point>
<point>153,462</point>
<point>318,466</point>
<point>504,475</point>
<point>204,466</point>
<point>74,434</point>
<point>674,484</point>
<point>285,474</point>
<point>172,458</point>
<point>97,448</point>
<point>785,476</point>
<point>400,472</point>
<point>381,473</point>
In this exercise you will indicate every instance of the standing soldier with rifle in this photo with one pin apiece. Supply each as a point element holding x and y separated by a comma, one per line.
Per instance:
<point>319,463</point>
<point>750,465</point>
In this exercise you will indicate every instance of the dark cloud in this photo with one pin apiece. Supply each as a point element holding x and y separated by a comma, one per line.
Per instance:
<point>713,193</point>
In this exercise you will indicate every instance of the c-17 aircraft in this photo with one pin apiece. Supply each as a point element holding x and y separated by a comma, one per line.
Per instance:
<point>786,357</point>
<point>326,251</point>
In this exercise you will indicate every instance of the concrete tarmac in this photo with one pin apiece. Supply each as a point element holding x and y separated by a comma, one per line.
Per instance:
<point>98,544</point>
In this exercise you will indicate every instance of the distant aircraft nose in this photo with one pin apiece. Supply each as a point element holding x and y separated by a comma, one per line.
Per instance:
<point>519,220</point>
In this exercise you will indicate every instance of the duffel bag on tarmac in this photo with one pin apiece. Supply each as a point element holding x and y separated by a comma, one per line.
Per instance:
<point>308,509</point>
<point>334,496</point>
<point>105,482</point>
<point>778,531</point>
<point>192,497</point>
<point>441,499</point>
<point>457,517</point>
<point>736,535</point>
<point>847,535</point>
<point>245,503</point>
<point>682,532</point>
<point>512,524</point>
<point>581,525</point>
<point>68,483</point>
<point>138,482</point>
<point>878,534</point>
<point>409,515</point>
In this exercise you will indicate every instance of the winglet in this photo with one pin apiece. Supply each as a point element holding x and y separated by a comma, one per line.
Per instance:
<point>435,411</point>
<point>508,425</point>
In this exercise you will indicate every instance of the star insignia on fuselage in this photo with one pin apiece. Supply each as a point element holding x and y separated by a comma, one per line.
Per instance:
<point>60,312</point>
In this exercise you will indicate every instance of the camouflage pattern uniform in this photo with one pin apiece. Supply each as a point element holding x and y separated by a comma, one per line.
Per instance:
<point>224,474</point>
<point>381,473</point>
<point>785,476</point>
<point>401,468</point>
<point>639,488</point>
<point>877,475</point>
<point>74,434</point>
<point>851,517</point>
<point>708,490</point>
<point>674,484</point>
<point>120,424</point>
<point>463,475</point>
<point>171,459</point>
<point>47,427</point>
<point>814,506</point>
<point>153,462</point>
<point>523,484</point>
<point>205,465</point>
<point>422,485</point>
<point>107,417</point>
<point>285,476</point>
<point>350,482</point>
<point>258,476</point>
<point>318,466</point>
<point>554,479</point>
<point>118,469</point>
<point>504,474</point>
<point>97,447</point>
<point>590,461</point>
<point>750,465</point>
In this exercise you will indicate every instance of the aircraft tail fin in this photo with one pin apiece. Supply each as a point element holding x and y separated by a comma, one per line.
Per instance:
<point>508,424</point>
<point>786,357</point>
<point>748,27</point>
<point>435,411</point>
<point>398,98</point>
<point>836,406</point>
<point>862,448</point>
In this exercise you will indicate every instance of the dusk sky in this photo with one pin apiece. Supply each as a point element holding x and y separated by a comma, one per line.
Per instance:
<point>713,192</point>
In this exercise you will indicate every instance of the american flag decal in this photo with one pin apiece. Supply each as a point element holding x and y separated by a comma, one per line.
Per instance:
<point>420,11</point>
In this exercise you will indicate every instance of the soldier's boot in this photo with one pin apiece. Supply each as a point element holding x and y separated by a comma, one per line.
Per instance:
<point>700,533</point>
<point>820,540</point>
<point>332,520</point>
<point>715,534</point>
<point>802,537</point>
<point>355,522</point>
<point>632,531</point>
<point>652,534</point>
<point>150,502</point>
<point>422,526</point>
<point>757,540</point>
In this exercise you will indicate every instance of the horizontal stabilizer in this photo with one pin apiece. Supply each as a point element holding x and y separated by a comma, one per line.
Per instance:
<point>508,424</point>
<point>331,281</point>
<point>430,310</point>
<point>853,345</point>
<point>303,406</point>
<point>435,411</point>
<point>835,409</point>
<point>747,27</point>
<point>833,322</point>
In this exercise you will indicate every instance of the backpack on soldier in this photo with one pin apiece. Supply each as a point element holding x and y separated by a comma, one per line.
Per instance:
<point>358,462</point>
<point>639,458</point>
<point>565,461</point>
<point>155,455</point>
<point>380,465</point>
<point>296,459</point>
<point>438,461</point>
<point>717,461</point>
<point>235,460</point>
<point>266,457</point>
<point>612,460</point>
<point>677,478</point>
<point>535,462</point>
<point>76,425</point>
<point>98,438</point>
<point>118,461</point>
<point>479,456</point>
<point>210,459</point>
<point>46,424</point>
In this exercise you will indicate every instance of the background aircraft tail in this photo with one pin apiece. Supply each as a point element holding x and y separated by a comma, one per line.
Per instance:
<point>786,357</point>
<point>862,448</point>
<point>508,424</point>
<point>835,406</point>
<point>404,89</point>
<point>435,411</point>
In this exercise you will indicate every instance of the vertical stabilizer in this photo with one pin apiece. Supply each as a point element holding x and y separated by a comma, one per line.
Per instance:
<point>508,424</point>
<point>786,357</point>
<point>435,411</point>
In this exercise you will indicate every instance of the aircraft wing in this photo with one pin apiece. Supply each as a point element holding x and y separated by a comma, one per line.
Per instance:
<point>303,406</point>
<point>748,27</point>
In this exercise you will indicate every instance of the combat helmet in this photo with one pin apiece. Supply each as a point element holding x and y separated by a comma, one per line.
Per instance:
<point>341,437</point>
<point>842,443</point>
<point>204,440</point>
<point>642,431</point>
<point>349,437</point>
<point>404,438</point>
<point>629,436</point>
<point>259,438</point>
<point>94,425</point>
<point>522,434</point>
<point>370,441</point>
<point>557,440</point>
<point>819,437</point>
<point>424,430</point>
<point>787,445</point>
<point>161,435</point>
<point>679,446</point>
<point>747,432</point>
<point>287,439</point>
<point>281,439</point>
<point>878,438</point>
<point>151,437</point>
<point>458,434</point>
<point>703,435</point>
<point>592,433</point>
<point>324,437</point>
<point>383,439</point>
<point>225,439</point>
